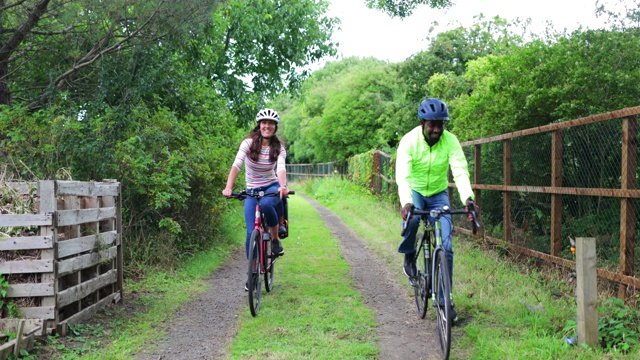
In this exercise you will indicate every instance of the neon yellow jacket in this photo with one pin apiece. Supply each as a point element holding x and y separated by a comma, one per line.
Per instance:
<point>424,169</point>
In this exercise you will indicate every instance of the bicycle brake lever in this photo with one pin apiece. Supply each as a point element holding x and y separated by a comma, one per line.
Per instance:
<point>405,222</point>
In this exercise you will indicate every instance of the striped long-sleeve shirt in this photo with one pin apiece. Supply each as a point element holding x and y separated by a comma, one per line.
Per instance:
<point>262,172</point>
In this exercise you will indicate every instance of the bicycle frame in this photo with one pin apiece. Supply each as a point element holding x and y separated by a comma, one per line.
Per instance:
<point>265,241</point>
<point>259,224</point>
<point>436,229</point>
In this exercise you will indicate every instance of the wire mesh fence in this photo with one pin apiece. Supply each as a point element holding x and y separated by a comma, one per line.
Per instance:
<point>578,178</point>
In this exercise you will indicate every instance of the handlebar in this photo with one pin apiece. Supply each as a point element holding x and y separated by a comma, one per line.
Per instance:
<point>437,213</point>
<point>241,195</point>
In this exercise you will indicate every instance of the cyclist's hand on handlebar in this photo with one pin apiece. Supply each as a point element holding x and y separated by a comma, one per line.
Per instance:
<point>405,211</point>
<point>284,191</point>
<point>470,207</point>
<point>227,192</point>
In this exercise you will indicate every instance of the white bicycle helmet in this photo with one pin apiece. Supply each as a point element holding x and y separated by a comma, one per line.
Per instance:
<point>268,114</point>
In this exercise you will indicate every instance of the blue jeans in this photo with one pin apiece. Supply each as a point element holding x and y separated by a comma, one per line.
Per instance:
<point>271,207</point>
<point>408,244</point>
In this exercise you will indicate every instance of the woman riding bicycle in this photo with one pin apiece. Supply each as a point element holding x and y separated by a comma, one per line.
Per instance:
<point>263,155</point>
<point>424,157</point>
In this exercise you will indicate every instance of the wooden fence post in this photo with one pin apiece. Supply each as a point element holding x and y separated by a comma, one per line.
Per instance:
<point>375,176</point>
<point>477,179</point>
<point>587,291</point>
<point>627,205</point>
<point>49,204</point>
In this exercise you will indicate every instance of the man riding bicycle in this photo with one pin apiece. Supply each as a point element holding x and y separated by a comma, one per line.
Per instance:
<point>423,159</point>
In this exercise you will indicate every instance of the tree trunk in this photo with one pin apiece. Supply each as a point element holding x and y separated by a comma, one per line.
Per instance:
<point>11,45</point>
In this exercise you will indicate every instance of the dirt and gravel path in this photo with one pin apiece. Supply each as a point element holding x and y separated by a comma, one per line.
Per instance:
<point>204,328</point>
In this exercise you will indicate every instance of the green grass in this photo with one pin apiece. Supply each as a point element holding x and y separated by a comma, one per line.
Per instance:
<point>490,292</point>
<point>313,307</point>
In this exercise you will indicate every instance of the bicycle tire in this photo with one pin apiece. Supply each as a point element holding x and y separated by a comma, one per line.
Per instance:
<point>442,285</point>
<point>269,263</point>
<point>253,274</point>
<point>421,282</point>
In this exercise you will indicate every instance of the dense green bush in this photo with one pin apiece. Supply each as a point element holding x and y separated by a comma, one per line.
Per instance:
<point>171,169</point>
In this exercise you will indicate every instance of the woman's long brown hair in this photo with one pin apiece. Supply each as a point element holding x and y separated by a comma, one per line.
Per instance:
<point>256,144</point>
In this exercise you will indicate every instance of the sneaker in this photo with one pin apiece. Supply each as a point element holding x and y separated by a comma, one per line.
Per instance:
<point>409,268</point>
<point>276,248</point>
<point>246,286</point>
<point>282,231</point>
<point>454,315</point>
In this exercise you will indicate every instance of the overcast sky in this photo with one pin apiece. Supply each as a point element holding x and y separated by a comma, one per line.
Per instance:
<point>366,32</point>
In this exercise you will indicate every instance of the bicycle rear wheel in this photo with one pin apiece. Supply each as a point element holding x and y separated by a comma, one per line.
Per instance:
<point>254,280</point>
<point>269,263</point>
<point>421,281</point>
<point>442,302</point>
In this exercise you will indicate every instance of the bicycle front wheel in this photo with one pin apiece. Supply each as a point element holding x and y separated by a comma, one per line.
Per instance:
<point>442,302</point>
<point>254,280</point>
<point>421,282</point>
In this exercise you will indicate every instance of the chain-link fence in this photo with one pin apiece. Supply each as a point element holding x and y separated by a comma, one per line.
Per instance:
<point>540,186</point>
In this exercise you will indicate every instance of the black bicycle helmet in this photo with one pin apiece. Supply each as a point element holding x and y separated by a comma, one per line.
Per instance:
<point>433,109</point>
<point>267,114</point>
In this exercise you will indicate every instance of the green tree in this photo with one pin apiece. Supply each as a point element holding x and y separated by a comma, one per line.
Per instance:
<point>303,118</point>
<point>342,111</point>
<point>404,8</point>
<point>354,112</point>
<point>590,72</point>
<point>450,51</point>
<point>265,48</point>
<point>56,46</point>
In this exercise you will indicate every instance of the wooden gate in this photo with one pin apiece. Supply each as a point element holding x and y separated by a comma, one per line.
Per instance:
<point>65,260</point>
